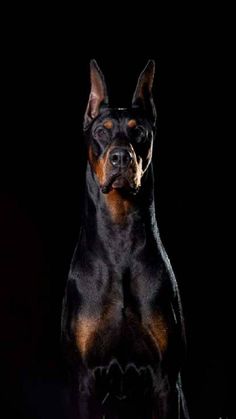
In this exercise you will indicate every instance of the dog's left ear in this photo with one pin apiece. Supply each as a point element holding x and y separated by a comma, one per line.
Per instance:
<point>143,93</point>
<point>98,98</point>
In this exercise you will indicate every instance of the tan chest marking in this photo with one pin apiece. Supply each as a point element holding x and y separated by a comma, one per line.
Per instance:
<point>118,206</point>
<point>85,329</point>
<point>158,329</point>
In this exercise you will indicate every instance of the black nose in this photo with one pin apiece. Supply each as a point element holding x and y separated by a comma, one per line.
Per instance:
<point>120,157</point>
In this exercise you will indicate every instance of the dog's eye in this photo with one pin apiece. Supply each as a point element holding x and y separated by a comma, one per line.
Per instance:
<point>100,133</point>
<point>140,134</point>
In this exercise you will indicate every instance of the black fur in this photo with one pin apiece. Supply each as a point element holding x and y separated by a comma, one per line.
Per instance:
<point>122,325</point>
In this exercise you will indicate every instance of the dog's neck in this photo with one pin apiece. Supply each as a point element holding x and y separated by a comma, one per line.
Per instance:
<point>117,214</point>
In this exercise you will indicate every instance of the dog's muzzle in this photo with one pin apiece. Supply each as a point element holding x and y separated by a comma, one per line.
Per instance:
<point>121,170</point>
<point>120,157</point>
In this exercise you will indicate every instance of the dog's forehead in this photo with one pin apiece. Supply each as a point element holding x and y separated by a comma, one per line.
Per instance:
<point>120,115</point>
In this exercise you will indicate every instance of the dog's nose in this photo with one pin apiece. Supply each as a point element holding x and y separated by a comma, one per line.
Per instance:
<point>120,157</point>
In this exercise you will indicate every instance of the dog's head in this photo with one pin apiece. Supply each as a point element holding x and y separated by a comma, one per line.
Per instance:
<point>120,140</point>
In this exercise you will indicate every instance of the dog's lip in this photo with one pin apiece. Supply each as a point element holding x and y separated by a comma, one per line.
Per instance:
<point>118,181</point>
<point>107,185</point>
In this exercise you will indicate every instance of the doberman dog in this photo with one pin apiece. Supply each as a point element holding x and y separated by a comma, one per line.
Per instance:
<point>122,323</point>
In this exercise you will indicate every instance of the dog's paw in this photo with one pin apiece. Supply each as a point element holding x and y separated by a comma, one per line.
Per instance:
<point>127,383</point>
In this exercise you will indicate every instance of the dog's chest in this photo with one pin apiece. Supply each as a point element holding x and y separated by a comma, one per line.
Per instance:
<point>117,320</point>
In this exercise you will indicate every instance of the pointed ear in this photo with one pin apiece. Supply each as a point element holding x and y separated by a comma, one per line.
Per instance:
<point>143,92</point>
<point>98,93</point>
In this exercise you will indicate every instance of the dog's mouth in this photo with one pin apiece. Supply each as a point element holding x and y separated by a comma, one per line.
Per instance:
<point>120,182</point>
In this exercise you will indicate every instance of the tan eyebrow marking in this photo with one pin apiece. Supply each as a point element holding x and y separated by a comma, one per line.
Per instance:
<point>132,123</point>
<point>108,124</point>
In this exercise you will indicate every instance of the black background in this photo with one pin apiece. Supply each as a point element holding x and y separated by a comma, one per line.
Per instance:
<point>45,61</point>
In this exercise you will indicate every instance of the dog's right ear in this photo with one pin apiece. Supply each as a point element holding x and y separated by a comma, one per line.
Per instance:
<point>98,97</point>
<point>143,93</point>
